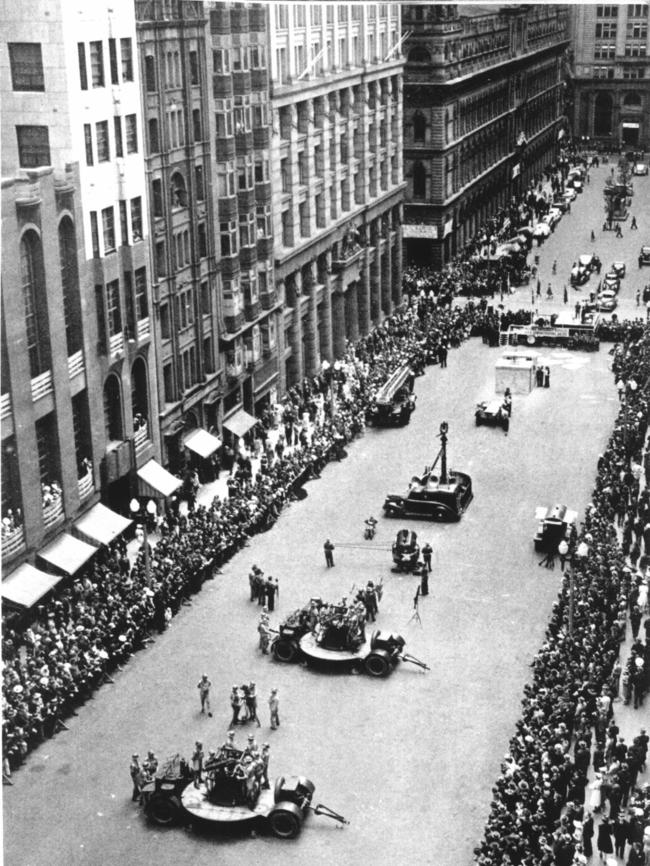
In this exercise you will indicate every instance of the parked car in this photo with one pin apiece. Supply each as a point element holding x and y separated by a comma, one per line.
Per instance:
<point>640,169</point>
<point>493,414</point>
<point>644,256</point>
<point>560,204</point>
<point>570,194</point>
<point>611,281</point>
<point>619,268</point>
<point>589,261</point>
<point>552,217</point>
<point>575,183</point>
<point>607,302</point>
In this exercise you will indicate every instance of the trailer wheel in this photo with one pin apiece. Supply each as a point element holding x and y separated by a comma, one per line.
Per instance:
<point>285,651</point>
<point>165,811</point>
<point>285,820</point>
<point>377,664</point>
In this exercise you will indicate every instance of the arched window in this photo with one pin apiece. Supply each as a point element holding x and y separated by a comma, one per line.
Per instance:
<point>419,181</point>
<point>113,410</point>
<point>139,393</point>
<point>32,277</point>
<point>179,190</point>
<point>632,99</point>
<point>419,126</point>
<point>603,114</point>
<point>70,285</point>
<point>419,55</point>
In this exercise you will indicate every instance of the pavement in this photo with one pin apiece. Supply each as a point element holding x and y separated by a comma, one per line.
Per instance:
<point>409,760</point>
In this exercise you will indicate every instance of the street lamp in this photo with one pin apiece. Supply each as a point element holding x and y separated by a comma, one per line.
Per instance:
<point>141,532</point>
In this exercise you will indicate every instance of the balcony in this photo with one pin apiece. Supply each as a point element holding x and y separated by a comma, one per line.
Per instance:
<point>5,406</point>
<point>53,513</point>
<point>268,299</point>
<point>141,437</point>
<point>347,258</point>
<point>76,364</point>
<point>86,486</point>
<point>42,385</point>
<point>116,344</point>
<point>13,542</point>
<point>144,329</point>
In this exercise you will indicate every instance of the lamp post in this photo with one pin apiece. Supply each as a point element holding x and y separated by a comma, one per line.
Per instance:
<point>141,532</point>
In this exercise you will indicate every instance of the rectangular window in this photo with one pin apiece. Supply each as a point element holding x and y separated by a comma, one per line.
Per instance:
<point>299,14</point>
<point>124,223</point>
<point>199,183</point>
<point>101,134</point>
<point>88,142</point>
<point>126,53</point>
<point>154,142</point>
<point>130,325</point>
<point>157,197</point>
<point>261,170</point>
<point>257,56</point>
<point>282,16</point>
<point>225,179</point>
<point>113,307</point>
<point>83,73</point>
<point>136,218</point>
<point>165,326</point>
<point>606,30</point>
<point>108,227</point>
<point>168,380</point>
<point>26,61</point>
<point>141,302</point>
<point>94,233</point>
<point>316,13</point>
<point>242,114</point>
<point>221,61</point>
<point>239,58</point>
<point>637,29</point>
<point>205,298</point>
<point>131,133</point>
<point>245,172</point>
<point>33,146</point>
<point>246,230</point>
<point>112,61</point>
<point>260,112</point>
<point>196,124</point>
<point>194,67</point>
<point>203,240</point>
<point>228,232</point>
<point>97,64</point>
<point>263,217</point>
<point>208,355</point>
<point>161,259</point>
<point>117,131</point>
<point>223,117</point>
<point>303,211</point>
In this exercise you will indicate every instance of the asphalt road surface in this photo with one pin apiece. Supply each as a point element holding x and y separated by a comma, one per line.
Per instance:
<point>409,760</point>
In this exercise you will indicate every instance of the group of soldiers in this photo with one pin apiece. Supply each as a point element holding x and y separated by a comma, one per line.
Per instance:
<point>142,773</point>
<point>229,761</point>
<point>264,590</point>
<point>347,618</point>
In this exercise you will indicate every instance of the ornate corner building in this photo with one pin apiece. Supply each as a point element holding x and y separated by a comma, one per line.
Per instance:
<point>611,75</point>
<point>483,115</point>
<point>336,164</point>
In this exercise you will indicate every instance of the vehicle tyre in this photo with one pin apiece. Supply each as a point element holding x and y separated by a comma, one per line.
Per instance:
<point>165,811</point>
<point>530,340</point>
<point>285,820</point>
<point>373,638</point>
<point>478,421</point>
<point>285,651</point>
<point>377,664</point>
<point>277,789</point>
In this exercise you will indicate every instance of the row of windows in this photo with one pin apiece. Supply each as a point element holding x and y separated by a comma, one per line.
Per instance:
<point>120,70</point>
<point>333,11</point>
<point>134,209</point>
<point>241,114</point>
<point>26,62</point>
<point>109,304</point>
<point>239,58</point>
<point>628,72</point>
<point>100,150</point>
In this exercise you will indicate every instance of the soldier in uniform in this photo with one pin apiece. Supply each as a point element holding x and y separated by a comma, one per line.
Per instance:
<point>264,633</point>
<point>197,763</point>
<point>150,764</point>
<point>427,550</point>
<point>251,748</point>
<point>251,704</point>
<point>266,753</point>
<point>204,693</point>
<point>274,708</point>
<point>136,776</point>
<point>236,704</point>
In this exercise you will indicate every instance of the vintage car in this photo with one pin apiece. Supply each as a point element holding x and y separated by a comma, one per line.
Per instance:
<point>406,550</point>
<point>231,793</point>
<point>606,302</point>
<point>640,169</point>
<point>575,183</point>
<point>589,261</point>
<point>493,414</point>
<point>612,281</point>
<point>553,526</point>
<point>579,275</point>
<point>438,497</point>
<point>394,403</point>
<point>618,268</point>
<point>560,204</point>
<point>569,195</point>
<point>644,256</point>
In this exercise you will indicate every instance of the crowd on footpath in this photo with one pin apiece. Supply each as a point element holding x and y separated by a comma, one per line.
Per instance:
<point>545,811</point>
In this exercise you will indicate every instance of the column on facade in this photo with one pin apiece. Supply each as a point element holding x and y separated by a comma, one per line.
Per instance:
<point>294,288</point>
<point>325,323</point>
<point>374,272</point>
<point>387,271</point>
<point>352,310</point>
<point>311,361</point>
<point>363,291</point>
<point>396,257</point>
<point>338,322</point>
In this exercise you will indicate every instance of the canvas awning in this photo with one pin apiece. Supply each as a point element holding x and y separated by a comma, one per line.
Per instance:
<point>100,525</point>
<point>27,585</point>
<point>201,442</point>
<point>67,553</point>
<point>240,422</point>
<point>155,481</point>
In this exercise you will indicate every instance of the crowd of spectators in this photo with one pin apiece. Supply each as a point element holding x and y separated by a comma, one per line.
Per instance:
<point>539,814</point>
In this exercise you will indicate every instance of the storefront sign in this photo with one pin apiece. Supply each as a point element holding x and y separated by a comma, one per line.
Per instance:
<point>419,230</point>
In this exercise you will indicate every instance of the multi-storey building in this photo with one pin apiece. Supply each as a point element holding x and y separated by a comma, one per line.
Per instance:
<point>336,154</point>
<point>483,115</point>
<point>79,397</point>
<point>611,74</point>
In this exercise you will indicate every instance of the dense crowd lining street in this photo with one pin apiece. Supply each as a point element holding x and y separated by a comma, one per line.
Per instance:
<point>457,673</point>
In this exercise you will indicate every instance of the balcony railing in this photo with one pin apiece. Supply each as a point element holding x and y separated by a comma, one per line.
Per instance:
<point>144,329</point>
<point>85,485</point>
<point>116,343</point>
<point>53,513</point>
<point>76,364</point>
<point>41,385</point>
<point>5,406</point>
<point>13,542</point>
<point>141,437</point>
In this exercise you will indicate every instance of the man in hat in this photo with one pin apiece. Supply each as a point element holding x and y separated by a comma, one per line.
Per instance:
<point>251,704</point>
<point>264,633</point>
<point>204,686</point>
<point>328,547</point>
<point>251,748</point>
<point>265,755</point>
<point>274,708</point>
<point>236,704</point>
<point>197,763</point>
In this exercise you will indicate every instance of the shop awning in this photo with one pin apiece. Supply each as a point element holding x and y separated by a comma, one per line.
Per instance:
<point>67,553</point>
<point>155,481</point>
<point>100,525</point>
<point>27,585</point>
<point>240,422</point>
<point>201,442</point>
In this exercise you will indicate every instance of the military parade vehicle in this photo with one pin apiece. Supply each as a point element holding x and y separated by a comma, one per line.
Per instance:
<point>232,792</point>
<point>439,497</point>
<point>493,414</point>
<point>406,550</point>
<point>554,525</point>
<point>394,402</point>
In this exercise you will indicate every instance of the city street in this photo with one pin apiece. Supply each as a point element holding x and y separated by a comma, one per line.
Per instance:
<point>410,760</point>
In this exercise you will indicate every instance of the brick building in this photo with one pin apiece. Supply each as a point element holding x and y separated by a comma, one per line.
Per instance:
<point>483,114</point>
<point>611,74</point>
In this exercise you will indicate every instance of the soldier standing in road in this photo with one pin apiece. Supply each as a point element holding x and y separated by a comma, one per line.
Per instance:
<point>251,704</point>
<point>271,588</point>
<point>197,763</point>
<point>424,582</point>
<point>266,749</point>
<point>204,693</point>
<point>236,704</point>
<point>274,708</point>
<point>328,547</point>
<point>264,633</point>
<point>136,776</point>
<point>427,550</point>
